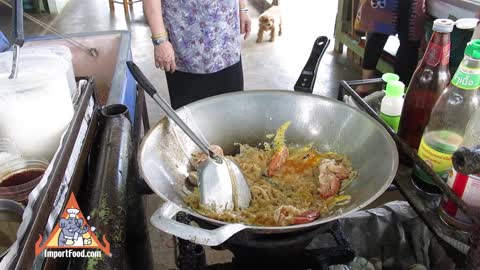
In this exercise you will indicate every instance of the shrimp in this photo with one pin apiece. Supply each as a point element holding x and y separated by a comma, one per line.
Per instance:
<point>281,154</point>
<point>329,182</point>
<point>306,217</point>
<point>329,185</point>
<point>288,215</point>
<point>339,170</point>
<point>285,214</point>
<point>278,159</point>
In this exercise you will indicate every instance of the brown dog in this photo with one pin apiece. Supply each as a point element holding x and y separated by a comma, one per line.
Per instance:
<point>270,20</point>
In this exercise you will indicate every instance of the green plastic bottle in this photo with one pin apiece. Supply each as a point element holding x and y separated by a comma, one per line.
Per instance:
<point>390,77</point>
<point>392,103</point>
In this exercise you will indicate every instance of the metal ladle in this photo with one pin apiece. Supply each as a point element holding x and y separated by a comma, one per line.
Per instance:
<point>222,185</point>
<point>18,33</point>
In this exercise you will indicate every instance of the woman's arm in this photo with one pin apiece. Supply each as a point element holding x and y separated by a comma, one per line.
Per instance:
<point>164,54</point>
<point>153,11</point>
<point>242,3</point>
<point>245,22</point>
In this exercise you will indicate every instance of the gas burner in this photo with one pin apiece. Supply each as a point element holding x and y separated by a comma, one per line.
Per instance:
<point>292,251</point>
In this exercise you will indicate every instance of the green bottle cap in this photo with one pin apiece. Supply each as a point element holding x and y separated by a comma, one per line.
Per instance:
<point>395,89</point>
<point>473,49</point>
<point>390,77</point>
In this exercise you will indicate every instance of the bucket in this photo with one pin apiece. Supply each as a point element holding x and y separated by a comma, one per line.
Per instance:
<point>36,106</point>
<point>11,214</point>
<point>8,151</point>
<point>59,50</point>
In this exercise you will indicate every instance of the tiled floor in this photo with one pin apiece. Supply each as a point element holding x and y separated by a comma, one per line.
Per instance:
<point>266,65</point>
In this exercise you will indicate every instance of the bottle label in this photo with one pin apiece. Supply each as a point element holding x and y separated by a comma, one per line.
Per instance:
<point>392,121</point>
<point>437,54</point>
<point>467,188</point>
<point>467,78</point>
<point>440,160</point>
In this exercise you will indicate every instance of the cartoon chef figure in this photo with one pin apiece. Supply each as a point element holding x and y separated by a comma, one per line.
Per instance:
<point>72,229</point>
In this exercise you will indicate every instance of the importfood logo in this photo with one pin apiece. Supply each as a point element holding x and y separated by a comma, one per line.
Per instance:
<point>70,234</point>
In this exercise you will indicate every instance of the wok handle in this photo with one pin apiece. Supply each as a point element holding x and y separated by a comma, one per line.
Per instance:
<point>17,17</point>
<point>306,81</point>
<point>163,220</point>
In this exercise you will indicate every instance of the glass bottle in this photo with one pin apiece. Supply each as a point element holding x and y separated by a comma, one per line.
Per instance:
<point>429,80</point>
<point>465,186</point>
<point>446,127</point>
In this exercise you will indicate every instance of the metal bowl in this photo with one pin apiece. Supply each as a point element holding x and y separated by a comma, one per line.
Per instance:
<point>247,117</point>
<point>10,211</point>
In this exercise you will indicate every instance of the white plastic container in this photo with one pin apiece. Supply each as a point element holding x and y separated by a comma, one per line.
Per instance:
<point>8,151</point>
<point>60,50</point>
<point>35,107</point>
<point>392,103</point>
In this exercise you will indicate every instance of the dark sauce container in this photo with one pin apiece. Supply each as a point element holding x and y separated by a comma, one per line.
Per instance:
<point>19,177</point>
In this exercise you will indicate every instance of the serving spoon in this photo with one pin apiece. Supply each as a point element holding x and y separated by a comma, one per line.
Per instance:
<point>222,185</point>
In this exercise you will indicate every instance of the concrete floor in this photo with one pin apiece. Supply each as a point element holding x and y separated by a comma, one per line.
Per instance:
<point>266,66</point>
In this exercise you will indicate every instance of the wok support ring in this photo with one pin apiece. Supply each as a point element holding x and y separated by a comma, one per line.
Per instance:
<point>252,253</point>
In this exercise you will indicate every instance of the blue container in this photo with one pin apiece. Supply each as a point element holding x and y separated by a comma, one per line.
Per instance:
<point>4,43</point>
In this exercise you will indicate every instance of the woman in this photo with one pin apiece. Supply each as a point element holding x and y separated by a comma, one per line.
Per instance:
<point>197,43</point>
<point>382,18</point>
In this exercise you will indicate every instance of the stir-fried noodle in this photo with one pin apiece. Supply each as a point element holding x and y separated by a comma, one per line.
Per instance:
<point>289,186</point>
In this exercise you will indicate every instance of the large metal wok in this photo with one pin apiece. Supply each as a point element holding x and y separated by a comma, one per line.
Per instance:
<point>247,117</point>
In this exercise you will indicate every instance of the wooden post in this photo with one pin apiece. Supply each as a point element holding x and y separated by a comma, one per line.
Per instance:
<point>112,5</point>
<point>338,46</point>
<point>125,7</point>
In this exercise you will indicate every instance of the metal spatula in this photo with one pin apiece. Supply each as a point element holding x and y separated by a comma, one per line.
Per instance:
<point>221,183</point>
<point>18,34</point>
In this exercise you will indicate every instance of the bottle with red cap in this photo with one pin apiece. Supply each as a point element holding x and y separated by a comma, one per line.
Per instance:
<point>445,130</point>
<point>431,77</point>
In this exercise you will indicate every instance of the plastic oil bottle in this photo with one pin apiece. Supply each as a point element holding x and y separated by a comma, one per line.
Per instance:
<point>392,103</point>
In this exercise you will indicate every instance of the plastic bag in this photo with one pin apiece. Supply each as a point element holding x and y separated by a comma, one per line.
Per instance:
<point>390,237</point>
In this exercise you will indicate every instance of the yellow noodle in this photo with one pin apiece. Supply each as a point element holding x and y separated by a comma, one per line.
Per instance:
<point>289,187</point>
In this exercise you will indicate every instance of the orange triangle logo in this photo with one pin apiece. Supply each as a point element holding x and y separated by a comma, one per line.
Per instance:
<point>72,231</point>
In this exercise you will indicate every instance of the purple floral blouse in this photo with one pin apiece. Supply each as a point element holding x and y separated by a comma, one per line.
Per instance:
<point>205,34</point>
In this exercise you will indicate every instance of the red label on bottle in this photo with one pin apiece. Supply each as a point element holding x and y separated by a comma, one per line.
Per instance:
<point>458,186</point>
<point>467,188</point>
<point>437,54</point>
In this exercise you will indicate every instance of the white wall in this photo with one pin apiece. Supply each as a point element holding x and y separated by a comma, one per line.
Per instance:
<point>55,6</point>
<point>456,8</point>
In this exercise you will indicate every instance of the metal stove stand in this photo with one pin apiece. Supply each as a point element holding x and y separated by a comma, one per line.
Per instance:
<point>254,251</point>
